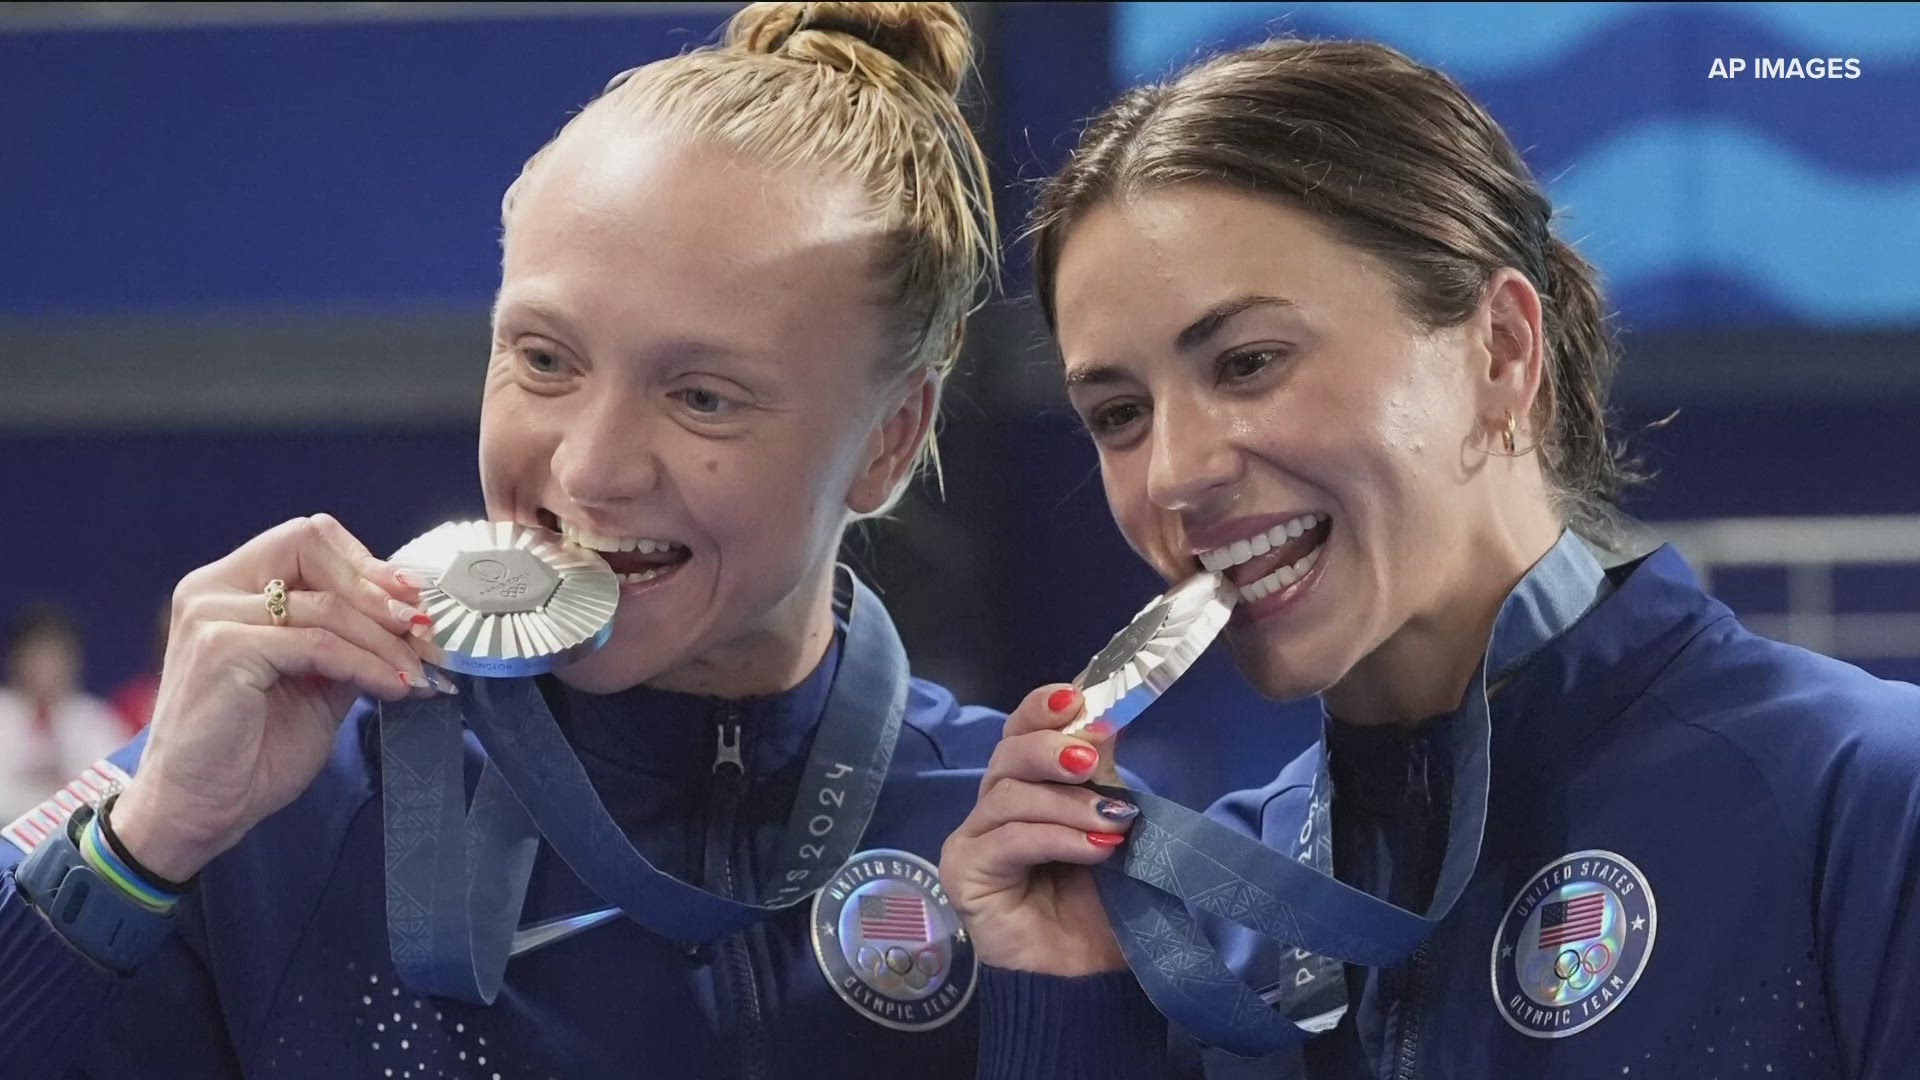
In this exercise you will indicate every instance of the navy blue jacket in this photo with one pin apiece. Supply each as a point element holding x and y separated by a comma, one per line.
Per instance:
<point>1766,798</point>
<point>281,967</point>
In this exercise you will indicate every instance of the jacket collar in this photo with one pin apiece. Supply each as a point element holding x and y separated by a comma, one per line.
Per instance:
<point>1591,673</point>
<point>1378,767</point>
<point>672,734</point>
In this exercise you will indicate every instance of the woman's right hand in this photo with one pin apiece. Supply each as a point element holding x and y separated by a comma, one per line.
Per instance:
<point>246,711</point>
<point>1017,869</point>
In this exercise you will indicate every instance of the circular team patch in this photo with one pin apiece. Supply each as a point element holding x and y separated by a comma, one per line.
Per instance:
<point>1572,944</point>
<point>891,944</point>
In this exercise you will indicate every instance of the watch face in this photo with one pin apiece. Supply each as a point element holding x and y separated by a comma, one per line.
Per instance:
<point>1156,648</point>
<point>507,600</point>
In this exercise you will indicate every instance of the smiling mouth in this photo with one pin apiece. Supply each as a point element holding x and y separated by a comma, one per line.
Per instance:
<point>1268,562</point>
<point>633,559</point>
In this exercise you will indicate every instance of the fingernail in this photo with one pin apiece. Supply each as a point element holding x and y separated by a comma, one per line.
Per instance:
<point>1105,839</point>
<point>441,682</point>
<point>1078,758</point>
<point>1060,700</point>
<point>408,613</point>
<point>412,579</point>
<point>1117,810</point>
<point>413,680</point>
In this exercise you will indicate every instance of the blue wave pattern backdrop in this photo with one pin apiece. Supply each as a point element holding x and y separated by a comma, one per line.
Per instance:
<point>1704,200</point>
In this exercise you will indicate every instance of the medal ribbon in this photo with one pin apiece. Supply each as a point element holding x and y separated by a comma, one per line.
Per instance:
<point>457,878</point>
<point>1178,862</point>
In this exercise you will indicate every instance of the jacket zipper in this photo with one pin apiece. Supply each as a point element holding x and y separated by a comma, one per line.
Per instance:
<point>1407,1057</point>
<point>729,783</point>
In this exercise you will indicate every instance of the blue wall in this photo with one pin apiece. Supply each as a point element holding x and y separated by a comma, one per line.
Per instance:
<point>285,166</point>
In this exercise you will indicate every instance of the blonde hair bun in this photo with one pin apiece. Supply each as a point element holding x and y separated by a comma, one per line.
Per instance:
<point>929,40</point>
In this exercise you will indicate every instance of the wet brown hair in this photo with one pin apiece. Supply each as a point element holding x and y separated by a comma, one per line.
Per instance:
<point>1395,159</point>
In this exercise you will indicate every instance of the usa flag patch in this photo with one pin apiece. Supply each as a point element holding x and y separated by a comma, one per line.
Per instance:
<point>1573,944</point>
<point>95,783</point>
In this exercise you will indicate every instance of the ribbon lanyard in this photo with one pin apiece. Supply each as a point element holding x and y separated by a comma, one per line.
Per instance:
<point>1179,862</point>
<point>457,878</point>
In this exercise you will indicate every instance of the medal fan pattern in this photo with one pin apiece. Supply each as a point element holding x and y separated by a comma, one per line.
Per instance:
<point>507,600</point>
<point>1155,649</point>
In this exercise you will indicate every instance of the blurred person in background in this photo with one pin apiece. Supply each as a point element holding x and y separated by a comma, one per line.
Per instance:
<point>731,289</point>
<point>1568,818</point>
<point>50,728</point>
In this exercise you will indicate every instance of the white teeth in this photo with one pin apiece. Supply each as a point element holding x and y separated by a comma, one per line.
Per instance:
<point>649,575</point>
<point>1280,578</point>
<point>574,534</point>
<point>1240,551</point>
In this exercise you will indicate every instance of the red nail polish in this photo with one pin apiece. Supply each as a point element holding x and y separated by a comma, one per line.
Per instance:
<point>1105,839</point>
<point>1078,758</point>
<point>422,619</point>
<point>1060,700</point>
<point>403,679</point>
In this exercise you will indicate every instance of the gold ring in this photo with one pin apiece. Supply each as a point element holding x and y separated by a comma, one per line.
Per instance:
<point>277,601</point>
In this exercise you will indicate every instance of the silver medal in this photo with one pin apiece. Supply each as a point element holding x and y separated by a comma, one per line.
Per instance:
<point>1156,648</point>
<point>507,600</point>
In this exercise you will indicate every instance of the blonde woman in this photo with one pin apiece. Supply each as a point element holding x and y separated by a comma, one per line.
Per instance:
<point>731,288</point>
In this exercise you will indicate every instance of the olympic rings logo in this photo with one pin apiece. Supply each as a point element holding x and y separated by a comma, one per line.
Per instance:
<point>1579,968</point>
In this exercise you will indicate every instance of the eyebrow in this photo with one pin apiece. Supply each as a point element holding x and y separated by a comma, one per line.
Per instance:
<point>1195,334</point>
<point>1098,375</point>
<point>539,308</point>
<point>1209,324</point>
<point>535,307</point>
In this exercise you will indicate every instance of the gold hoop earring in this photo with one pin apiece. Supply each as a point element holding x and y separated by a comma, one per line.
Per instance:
<point>1507,437</point>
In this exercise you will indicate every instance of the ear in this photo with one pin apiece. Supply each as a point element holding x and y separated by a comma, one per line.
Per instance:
<point>1516,349</point>
<point>895,444</point>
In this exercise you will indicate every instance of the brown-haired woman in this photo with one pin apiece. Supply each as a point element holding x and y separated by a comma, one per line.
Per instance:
<point>731,288</point>
<point>1582,823</point>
